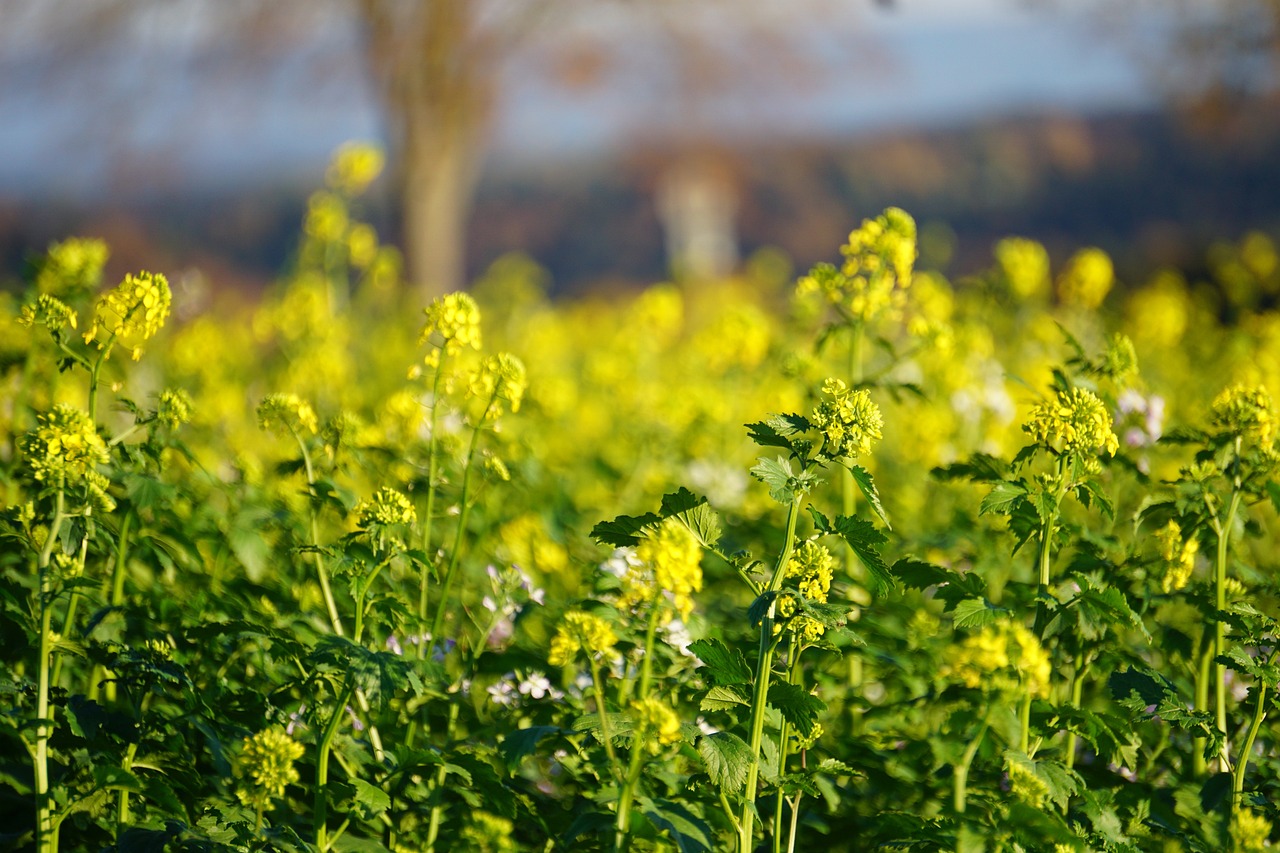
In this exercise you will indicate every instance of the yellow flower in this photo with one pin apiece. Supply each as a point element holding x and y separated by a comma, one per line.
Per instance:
<point>1179,556</point>
<point>1025,266</point>
<point>174,408</point>
<point>387,506</point>
<point>48,311</point>
<point>1075,421</point>
<point>670,560</point>
<point>1247,412</point>
<point>286,413</point>
<point>1086,279</point>
<point>500,377</point>
<point>879,258</point>
<point>72,267</point>
<point>64,447</point>
<point>1250,832</point>
<point>656,722</point>
<point>326,219</point>
<point>811,568</point>
<point>354,166</point>
<point>849,421</point>
<point>131,313</point>
<point>454,321</point>
<point>581,632</point>
<point>1005,657</point>
<point>265,768</point>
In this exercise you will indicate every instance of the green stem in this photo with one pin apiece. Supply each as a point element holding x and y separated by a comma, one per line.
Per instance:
<point>321,816</point>
<point>69,620</point>
<point>321,572</point>
<point>437,624</point>
<point>764,670</point>
<point>606,733</point>
<point>960,794</point>
<point>433,446</point>
<point>1242,760</point>
<point>1024,724</point>
<point>45,837</point>
<point>793,660</point>
<point>362,593</point>
<point>1077,692</point>
<point>115,599</point>
<point>94,373</point>
<point>623,829</point>
<point>1199,765</point>
<point>122,801</point>
<point>1219,625</point>
<point>437,794</point>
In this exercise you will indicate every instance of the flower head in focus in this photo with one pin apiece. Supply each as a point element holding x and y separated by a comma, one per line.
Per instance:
<point>265,768</point>
<point>131,313</point>
<point>848,420</point>
<point>64,447</point>
<point>287,413</point>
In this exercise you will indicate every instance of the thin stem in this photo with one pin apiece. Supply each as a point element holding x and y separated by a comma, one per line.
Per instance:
<point>94,372</point>
<point>793,661</point>
<point>1219,625</point>
<point>69,620</point>
<point>597,684</point>
<point>115,597</point>
<point>764,670</point>
<point>621,837</point>
<point>45,832</point>
<point>321,816</point>
<point>321,572</point>
<point>1242,761</point>
<point>433,446</point>
<point>1077,692</point>
<point>437,793</point>
<point>961,782</point>
<point>446,585</point>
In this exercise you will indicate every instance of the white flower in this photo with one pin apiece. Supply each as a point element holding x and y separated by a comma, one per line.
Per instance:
<point>536,685</point>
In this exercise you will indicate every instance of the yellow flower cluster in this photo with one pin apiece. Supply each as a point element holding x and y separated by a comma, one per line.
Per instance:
<point>72,266</point>
<point>1003,658</point>
<point>670,560</point>
<point>285,414</point>
<point>489,833</point>
<point>64,447</point>
<point>1086,279</point>
<point>1120,361</point>
<point>132,312</point>
<point>48,311</point>
<point>849,421</point>
<point>500,377</point>
<point>1245,411</point>
<point>878,261</point>
<point>453,322</point>
<point>526,543</point>
<point>656,722</point>
<point>354,166</point>
<point>326,219</point>
<point>1026,785</point>
<point>810,569</point>
<point>1250,832</point>
<point>174,408</point>
<point>387,506</point>
<point>1025,266</point>
<point>1075,421</point>
<point>581,632</point>
<point>265,767</point>
<point>1179,556</point>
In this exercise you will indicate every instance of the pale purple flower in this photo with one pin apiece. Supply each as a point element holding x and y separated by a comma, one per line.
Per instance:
<point>503,691</point>
<point>393,645</point>
<point>295,720</point>
<point>356,722</point>
<point>535,685</point>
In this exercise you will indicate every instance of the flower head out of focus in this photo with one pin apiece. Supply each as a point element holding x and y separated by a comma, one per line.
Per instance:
<point>848,420</point>
<point>581,632</point>
<point>668,561</point>
<point>1074,422</point>
<point>1179,556</point>
<point>1004,658</point>
<point>658,723</point>
<point>879,258</point>
<point>265,767</point>
<point>1086,279</point>
<point>453,323</point>
<point>72,267</point>
<point>386,507</point>
<point>354,166</point>
<point>131,313</point>
<point>1247,412</point>
<point>287,413</point>
<point>500,377</point>
<point>64,447</point>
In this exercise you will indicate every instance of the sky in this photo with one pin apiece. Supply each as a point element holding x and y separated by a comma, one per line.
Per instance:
<point>156,110</point>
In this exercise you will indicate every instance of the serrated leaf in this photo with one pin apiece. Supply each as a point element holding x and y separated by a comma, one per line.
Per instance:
<point>776,431</point>
<point>724,699</point>
<point>728,760</point>
<point>625,531</point>
<point>865,539</point>
<point>796,705</point>
<point>723,664</point>
<point>980,467</point>
<point>695,513</point>
<point>370,799</point>
<point>976,613</point>
<point>690,833</point>
<point>116,778</point>
<point>778,476</point>
<point>867,485</point>
<point>1002,498</point>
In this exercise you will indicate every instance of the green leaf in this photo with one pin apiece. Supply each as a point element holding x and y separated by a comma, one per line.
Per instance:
<point>865,539</point>
<point>625,531</point>
<point>778,430</point>
<point>796,705</point>
<point>725,699</point>
<point>976,613</point>
<point>723,664</point>
<point>867,485</point>
<point>521,743</point>
<point>1060,782</point>
<point>980,467</point>
<point>116,778</point>
<point>695,513</point>
<point>690,833</point>
<point>1097,608</point>
<point>371,800</point>
<point>784,484</point>
<point>951,587</point>
<point>1002,498</point>
<point>728,759</point>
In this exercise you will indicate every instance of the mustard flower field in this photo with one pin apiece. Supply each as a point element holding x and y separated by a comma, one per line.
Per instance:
<point>858,559</point>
